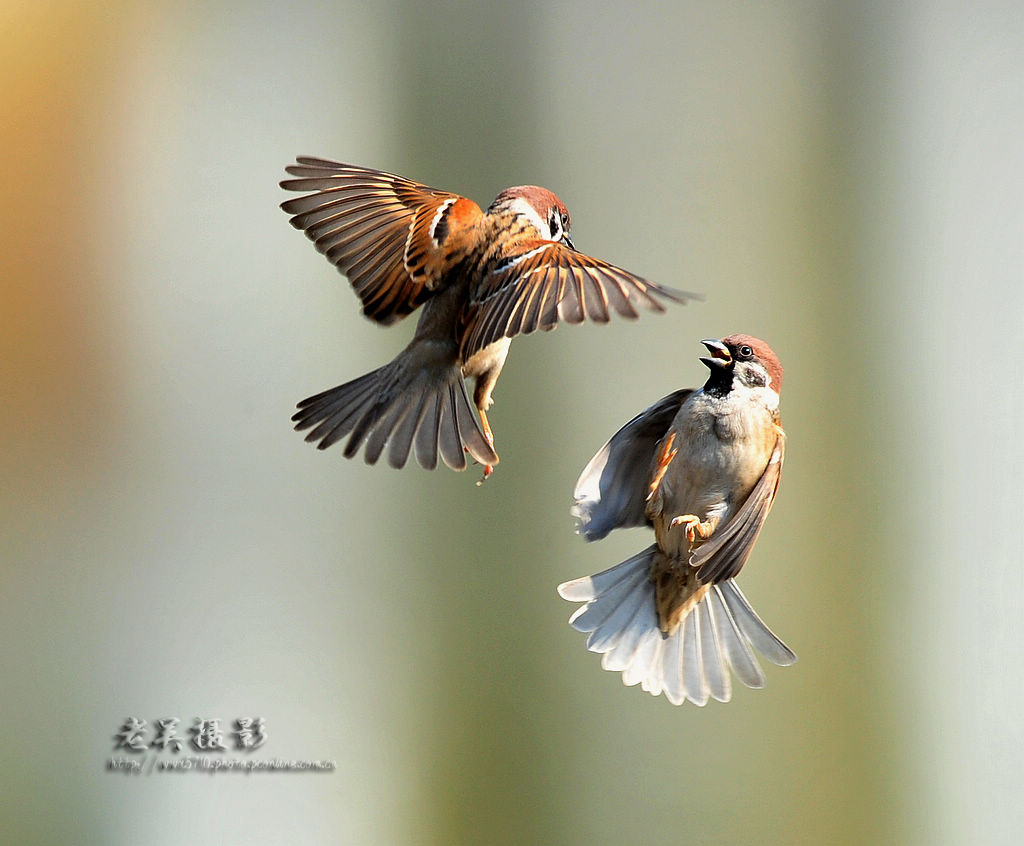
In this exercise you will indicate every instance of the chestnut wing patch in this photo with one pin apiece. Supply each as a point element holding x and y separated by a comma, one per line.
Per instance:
<point>389,235</point>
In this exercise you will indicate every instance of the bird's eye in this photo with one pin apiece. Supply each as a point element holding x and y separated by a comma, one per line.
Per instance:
<point>565,220</point>
<point>745,352</point>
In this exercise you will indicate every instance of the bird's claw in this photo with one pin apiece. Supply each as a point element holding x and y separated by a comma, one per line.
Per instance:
<point>489,437</point>
<point>694,527</point>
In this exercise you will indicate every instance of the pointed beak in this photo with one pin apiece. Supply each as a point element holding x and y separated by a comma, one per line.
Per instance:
<point>720,357</point>
<point>568,241</point>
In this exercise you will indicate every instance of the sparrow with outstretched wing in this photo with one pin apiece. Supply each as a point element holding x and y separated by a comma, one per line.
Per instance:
<point>479,279</point>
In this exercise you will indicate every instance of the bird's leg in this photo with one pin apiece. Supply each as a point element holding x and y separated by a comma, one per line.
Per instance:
<point>485,366</point>
<point>665,456</point>
<point>489,435</point>
<point>694,526</point>
<point>486,427</point>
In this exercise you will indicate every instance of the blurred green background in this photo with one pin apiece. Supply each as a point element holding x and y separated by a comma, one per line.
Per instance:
<point>842,179</point>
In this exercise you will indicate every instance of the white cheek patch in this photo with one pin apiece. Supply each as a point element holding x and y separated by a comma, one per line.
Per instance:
<point>521,207</point>
<point>758,382</point>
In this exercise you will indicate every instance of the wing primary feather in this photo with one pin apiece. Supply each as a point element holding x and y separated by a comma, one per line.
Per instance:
<point>617,293</point>
<point>570,306</point>
<point>594,301</point>
<point>533,307</point>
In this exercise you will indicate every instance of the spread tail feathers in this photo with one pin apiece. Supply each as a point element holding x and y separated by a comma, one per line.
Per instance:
<point>692,662</point>
<point>402,411</point>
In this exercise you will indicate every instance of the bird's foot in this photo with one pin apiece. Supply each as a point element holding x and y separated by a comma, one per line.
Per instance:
<point>694,527</point>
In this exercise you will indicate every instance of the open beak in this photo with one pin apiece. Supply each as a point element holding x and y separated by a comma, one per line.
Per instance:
<point>720,357</point>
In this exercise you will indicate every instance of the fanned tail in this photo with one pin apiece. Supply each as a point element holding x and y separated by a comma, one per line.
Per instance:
<point>692,662</point>
<point>401,411</point>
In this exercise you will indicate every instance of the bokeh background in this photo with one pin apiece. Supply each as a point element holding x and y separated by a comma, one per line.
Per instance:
<point>843,179</point>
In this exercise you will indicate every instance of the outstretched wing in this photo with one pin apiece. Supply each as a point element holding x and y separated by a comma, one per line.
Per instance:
<point>389,235</point>
<point>544,282</point>
<point>723,556</point>
<point>611,492</point>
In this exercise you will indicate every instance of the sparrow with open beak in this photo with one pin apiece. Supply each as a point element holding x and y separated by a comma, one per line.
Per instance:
<point>702,468</point>
<point>482,277</point>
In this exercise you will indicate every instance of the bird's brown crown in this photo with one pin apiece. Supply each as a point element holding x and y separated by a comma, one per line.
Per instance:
<point>762,352</point>
<point>540,199</point>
